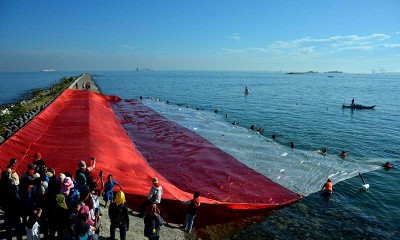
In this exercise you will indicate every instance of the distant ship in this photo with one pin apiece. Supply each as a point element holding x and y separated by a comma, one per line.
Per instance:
<point>143,69</point>
<point>334,72</point>
<point>48,70</point>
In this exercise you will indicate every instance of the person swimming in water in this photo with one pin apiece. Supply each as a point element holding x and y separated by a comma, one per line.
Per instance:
<point>387,165</point>
<point>292,145</point>
<point>327,189</point>
<point>252,127</point>
<point>246,91</point>
<point>343,154</point>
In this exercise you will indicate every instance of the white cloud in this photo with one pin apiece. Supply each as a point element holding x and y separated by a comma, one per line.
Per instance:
<point>335,42</point>
<point>397,33</point>
<point>393,45</point>
<point>235,36</point>
<point>245,50</point>
<point>317,46</point>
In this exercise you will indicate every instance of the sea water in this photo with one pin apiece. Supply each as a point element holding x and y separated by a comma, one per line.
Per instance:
<point>305,109</point>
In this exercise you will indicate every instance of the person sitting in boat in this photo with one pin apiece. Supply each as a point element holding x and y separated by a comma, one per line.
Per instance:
<point>327,188</point>
<point>387,165</point>
<point>343,154</point>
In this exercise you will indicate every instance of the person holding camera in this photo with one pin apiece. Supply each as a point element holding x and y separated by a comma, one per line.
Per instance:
<point>86,170</point>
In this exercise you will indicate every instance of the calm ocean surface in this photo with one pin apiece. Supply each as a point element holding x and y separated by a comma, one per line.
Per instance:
<point>305,109</point>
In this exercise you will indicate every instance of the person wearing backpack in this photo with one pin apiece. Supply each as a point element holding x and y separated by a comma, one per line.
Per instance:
<point>152,223</point>
<point>119,218</point>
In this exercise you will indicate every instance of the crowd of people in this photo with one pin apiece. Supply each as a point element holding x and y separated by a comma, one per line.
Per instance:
<point>64,205</point>
<point>67,206</point>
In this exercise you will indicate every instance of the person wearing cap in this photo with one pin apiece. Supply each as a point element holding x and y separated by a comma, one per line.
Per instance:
<point>82,168</point>
<point>154,197</point>
<point>119,217</point>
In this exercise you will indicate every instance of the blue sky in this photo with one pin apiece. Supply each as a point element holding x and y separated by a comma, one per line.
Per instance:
<point>352,36</point>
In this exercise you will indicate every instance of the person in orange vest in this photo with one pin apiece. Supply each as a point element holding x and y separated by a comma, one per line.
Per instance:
<point>327,187</point>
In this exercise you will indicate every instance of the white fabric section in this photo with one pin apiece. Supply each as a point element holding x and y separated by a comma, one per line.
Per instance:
<point>301,171</point>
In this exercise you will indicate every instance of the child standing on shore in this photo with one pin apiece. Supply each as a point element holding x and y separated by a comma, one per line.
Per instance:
<point>108,189</point>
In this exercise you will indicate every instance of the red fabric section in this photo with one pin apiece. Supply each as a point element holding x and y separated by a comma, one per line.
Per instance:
<point>81,124</point>
<point>193,164</point>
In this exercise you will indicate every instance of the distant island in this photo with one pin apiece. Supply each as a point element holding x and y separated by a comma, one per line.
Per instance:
<point>313,72</point>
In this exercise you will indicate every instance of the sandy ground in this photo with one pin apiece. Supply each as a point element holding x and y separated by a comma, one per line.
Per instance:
<point>136,225</point>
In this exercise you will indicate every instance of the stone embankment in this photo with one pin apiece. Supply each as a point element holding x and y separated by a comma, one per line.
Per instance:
<point>14,116</point>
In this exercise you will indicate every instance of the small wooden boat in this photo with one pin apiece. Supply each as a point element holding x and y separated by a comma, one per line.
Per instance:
<point>358,106</point>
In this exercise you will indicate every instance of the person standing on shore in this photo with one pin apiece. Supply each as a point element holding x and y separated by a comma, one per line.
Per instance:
<point>119,218</point>
<point>12,210</point>
<point>109,190</point>
<point>154,197</point>
<point>194,205</point>
<point>152,224</point>
<point>86,170</point>
<point>32,225</point>
<point>40,166</point>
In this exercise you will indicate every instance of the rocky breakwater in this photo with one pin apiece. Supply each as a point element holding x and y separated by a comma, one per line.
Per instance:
<point>14,116</point>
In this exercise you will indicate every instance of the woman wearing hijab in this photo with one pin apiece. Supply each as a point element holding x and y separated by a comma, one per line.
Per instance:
<point>59,216</point>
<point>119,218</point>
<point>152,223</point>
